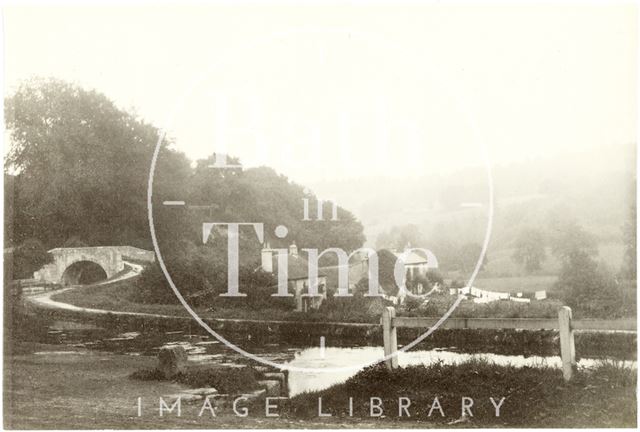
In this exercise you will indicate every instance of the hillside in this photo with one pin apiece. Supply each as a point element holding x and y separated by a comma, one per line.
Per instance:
<point>593,188</point>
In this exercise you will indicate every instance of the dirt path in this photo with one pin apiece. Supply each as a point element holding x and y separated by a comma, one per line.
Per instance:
<point>45,300</point>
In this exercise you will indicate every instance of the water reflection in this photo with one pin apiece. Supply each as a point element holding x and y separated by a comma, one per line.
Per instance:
<point>205,349</point>
<point>300,382</point>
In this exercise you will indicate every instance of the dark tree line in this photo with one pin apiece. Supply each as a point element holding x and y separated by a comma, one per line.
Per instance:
<point>77,173</point>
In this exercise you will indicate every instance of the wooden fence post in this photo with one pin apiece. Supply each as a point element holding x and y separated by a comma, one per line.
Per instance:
<point>567,346</point>
<point>390,337</point>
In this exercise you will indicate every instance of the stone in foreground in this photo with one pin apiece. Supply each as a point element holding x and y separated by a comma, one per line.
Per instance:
<point>172,360</point>
<point>272,387</point>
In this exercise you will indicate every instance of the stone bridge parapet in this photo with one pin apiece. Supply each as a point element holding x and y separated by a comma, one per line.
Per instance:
<point>109,258</point>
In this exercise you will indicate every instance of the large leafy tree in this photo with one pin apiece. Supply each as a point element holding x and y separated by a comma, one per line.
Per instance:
<point>468,256</point>
<point>568,237</point>
<point>530,249</point>
<point>81,166</point>
<point>589,288</point>
<point>77,173</point>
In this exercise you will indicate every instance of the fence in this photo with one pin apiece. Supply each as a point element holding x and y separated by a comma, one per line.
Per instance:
<point>564,324</point>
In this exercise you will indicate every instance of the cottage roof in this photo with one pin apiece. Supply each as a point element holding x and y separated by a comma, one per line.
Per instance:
<point>413,258</point>
<point>298,267</point>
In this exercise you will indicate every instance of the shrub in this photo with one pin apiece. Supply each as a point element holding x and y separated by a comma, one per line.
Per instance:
<point>223,379</point>
<point>589,288</point>
<point>26,259</point>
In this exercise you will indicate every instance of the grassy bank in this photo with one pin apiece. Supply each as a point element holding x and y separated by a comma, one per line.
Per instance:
<point>533,397</point>
<point>90,390</point>
<point>117,296</point>
<point>303,329</point>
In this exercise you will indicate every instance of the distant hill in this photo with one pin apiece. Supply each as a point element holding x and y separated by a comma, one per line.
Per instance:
<point>594,187</point>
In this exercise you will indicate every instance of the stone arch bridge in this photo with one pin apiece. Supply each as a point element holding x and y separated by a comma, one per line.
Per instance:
<point>85,265</point>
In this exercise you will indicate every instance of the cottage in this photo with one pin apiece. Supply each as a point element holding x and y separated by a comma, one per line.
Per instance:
<point>417,261</point>
<point>297,277</point>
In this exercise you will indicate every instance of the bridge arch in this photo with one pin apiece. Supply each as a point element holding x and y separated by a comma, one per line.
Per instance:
<point>94,259</point>
<point>83,272</point>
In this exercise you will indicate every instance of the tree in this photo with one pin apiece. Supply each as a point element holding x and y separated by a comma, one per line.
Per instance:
<point>434,277</point>
<point>74,242</point>
<point>588,287</point>
<point>468,256</point>
<point>567,238</point>
<point>530,250</point>
<point>386,267</point>
<point>30,256</point>
<point>81,164</point>
<point>398,237</point>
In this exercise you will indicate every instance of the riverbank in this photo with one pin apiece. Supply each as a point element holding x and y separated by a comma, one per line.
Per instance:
<point>90,304</point>
<point>52,387</point>
<point>481,394</point>
<point>47,387</point>
<point>74,389</point>
<point>117,297</point>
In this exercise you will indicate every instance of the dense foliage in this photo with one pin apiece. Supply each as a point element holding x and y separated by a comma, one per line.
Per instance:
<point>530,249</point>
<point>78,169</point>
<point>22,261</point>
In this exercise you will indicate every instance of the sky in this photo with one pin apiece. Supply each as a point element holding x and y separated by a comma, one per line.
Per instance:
<point>337,92</point>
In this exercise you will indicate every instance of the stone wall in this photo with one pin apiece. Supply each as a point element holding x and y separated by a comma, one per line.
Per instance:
<point>109,258</point>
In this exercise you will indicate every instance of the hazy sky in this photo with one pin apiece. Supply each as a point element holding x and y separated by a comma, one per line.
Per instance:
<point>345,91</point>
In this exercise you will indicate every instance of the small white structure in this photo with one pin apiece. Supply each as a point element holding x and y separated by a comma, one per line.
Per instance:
<point>520,300</point>
<point>540,295</point>
<point>484,296</point>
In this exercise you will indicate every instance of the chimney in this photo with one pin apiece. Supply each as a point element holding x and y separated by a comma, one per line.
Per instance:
<point>267,260</point>
<point>293,249</point>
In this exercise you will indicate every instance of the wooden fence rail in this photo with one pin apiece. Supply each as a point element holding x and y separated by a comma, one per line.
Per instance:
<point>564,324</point>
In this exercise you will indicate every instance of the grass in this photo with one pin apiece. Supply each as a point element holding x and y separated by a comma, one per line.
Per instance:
<point>440,303</point>
<point>534,397</point>
<point>114,297</point>
<point>231,380</point>
<point>93,391</point>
